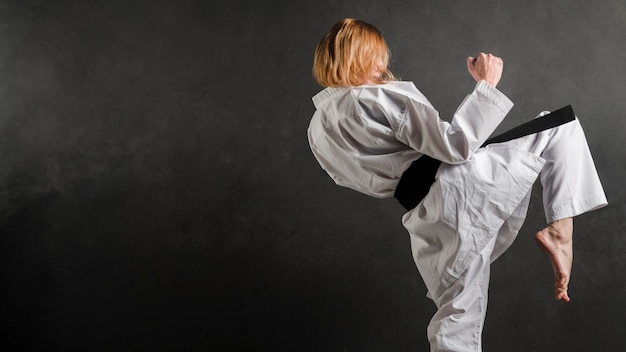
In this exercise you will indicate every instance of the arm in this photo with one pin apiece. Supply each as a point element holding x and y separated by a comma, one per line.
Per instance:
<point>473,122</point>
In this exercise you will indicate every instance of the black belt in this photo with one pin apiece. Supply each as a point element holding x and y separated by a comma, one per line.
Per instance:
<point>417,179</point>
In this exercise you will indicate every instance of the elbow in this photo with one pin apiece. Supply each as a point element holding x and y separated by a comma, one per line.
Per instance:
<point>461,159</point>
<point>459,155</point>
<point>456,147</point>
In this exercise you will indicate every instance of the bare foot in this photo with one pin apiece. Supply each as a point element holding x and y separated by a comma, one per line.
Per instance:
<point>556,241</point>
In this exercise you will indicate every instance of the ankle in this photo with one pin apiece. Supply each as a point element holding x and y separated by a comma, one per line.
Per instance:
<point>561,230</point>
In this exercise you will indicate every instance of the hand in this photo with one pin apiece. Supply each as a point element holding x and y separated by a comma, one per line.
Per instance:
<point>485,67</point>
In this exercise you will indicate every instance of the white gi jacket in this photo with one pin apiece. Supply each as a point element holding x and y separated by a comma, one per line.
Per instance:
<point>365,137</point>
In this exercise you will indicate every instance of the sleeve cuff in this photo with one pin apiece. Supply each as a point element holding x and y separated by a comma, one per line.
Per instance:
<point>493,94</point>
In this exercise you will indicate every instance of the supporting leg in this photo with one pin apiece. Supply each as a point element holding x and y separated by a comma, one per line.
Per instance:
<point>458,323</point>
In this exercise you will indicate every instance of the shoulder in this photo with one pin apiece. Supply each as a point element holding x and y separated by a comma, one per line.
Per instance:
<point>403,91</point>
<point>399,87</point>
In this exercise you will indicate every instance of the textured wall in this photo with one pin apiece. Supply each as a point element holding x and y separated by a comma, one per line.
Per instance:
<point>157,191</point>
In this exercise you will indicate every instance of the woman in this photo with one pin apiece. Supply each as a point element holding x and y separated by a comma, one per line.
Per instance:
<point>367,130</point>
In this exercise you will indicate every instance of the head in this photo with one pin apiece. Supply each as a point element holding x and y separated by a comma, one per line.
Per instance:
<point>352,53</point>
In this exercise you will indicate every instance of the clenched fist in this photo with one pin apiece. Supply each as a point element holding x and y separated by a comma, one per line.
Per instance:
<point>485,67</point>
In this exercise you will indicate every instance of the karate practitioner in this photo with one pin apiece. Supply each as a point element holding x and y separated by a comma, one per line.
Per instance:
<point>367,130</point>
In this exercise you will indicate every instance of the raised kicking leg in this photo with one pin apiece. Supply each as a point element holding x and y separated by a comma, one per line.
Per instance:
<point>571,187</point>
<point>556,241</point>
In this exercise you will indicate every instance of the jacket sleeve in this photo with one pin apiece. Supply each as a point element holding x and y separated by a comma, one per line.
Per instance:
<point>474,121</point>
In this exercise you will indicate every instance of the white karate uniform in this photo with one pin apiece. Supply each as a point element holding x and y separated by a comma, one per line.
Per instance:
<point>365,137</point>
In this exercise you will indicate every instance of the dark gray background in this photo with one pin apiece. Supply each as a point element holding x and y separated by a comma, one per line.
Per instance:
<point>157,191</point>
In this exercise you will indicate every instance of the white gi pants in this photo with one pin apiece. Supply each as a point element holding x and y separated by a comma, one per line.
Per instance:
<point>570,187</point>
